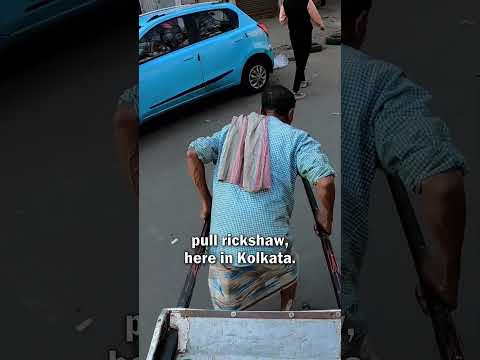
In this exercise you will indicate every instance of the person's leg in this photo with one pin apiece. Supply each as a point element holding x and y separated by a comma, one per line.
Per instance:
<point>297,40</point>
<point>287,296</point>
<point>306,52</point>
<point>303,63</point>
<point>302,53</point>
<point>298,53</point>
<point>300,60</point>
<point>222,289</point>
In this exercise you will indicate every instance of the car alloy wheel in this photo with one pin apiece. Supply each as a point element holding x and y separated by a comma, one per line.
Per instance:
<point>257,76</point>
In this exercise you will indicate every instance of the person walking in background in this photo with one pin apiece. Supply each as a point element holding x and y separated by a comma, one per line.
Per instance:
<point>299,16</point>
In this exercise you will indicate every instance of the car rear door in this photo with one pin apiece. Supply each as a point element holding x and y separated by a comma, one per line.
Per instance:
<point>169,68</point>
<point>219,42</point>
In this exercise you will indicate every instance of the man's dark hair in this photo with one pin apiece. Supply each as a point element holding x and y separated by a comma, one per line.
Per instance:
<point>353,8</point>
<point>279,99</point>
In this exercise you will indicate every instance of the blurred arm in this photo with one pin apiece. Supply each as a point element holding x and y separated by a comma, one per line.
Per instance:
<point>283,17</point>
<point>443,202</point>
<point>315,15</point>
<point>415,145</point>
<point>125,124</point>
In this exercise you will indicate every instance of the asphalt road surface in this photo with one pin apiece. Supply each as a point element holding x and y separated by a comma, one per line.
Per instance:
<point>169,207</point>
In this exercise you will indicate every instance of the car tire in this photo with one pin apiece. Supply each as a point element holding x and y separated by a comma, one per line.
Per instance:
<point>256,75</point>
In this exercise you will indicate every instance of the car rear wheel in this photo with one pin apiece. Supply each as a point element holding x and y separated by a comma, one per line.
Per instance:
<point>255,76</point>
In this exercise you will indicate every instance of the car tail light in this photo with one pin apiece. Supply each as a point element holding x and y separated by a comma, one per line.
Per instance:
<point>264,28</point>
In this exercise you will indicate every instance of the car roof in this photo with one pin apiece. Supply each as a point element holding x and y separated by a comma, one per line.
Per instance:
<point>181,9</point>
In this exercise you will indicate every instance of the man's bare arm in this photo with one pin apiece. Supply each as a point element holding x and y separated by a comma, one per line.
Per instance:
<point>443,202</point>
<point>196,170</point>
<point>315,15</point>
<point>282,17</point>
<point>325,194</point>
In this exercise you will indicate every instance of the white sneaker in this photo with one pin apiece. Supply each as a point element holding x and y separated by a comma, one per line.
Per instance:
<point>304,84</point>
<point>299,95</point>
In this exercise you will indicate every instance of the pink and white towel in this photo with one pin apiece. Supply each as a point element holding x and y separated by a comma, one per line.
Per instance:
<point>245,159</point>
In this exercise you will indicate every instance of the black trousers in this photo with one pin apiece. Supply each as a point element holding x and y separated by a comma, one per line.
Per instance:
<point>301,44</point>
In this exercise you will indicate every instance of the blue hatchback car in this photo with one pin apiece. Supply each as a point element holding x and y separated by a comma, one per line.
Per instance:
<point>190,51</point>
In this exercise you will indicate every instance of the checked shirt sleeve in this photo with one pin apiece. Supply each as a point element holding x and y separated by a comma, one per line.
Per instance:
<point>209,148</point>
<point>312,162</point>
<point>409,140</point>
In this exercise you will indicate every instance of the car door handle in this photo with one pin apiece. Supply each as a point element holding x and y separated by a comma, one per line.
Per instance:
<point>188,58</point>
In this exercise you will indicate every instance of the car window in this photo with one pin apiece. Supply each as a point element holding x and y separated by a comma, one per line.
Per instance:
<point>215,22</point>
<point>166,37</point>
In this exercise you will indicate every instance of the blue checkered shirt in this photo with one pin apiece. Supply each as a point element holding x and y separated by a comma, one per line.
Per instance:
<point>266,213</point>
<point>387,124</point>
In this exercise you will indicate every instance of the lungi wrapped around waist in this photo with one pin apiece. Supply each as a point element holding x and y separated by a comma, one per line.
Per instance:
<point>237,288</point>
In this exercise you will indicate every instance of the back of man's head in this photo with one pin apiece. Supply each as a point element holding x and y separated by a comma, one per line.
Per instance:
<point>354,21</point>
<point>279,101</point>
<point>353,8</point>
